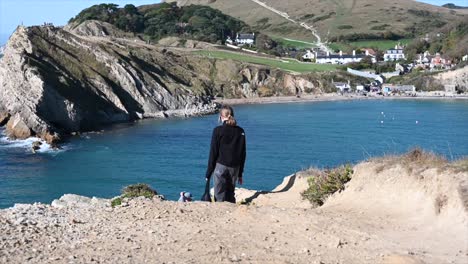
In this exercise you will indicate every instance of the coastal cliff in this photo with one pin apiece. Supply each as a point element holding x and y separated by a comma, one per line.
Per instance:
<point>458,77</point>
<point>55,81</point>
<point>388,207</point>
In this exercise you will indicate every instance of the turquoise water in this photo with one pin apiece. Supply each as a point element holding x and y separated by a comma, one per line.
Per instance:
<point>171,155</point>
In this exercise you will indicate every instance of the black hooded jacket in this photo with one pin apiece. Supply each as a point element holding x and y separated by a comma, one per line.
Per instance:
<point>227,148</point>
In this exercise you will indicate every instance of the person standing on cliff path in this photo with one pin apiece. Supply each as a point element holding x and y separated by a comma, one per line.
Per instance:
<point>227,156</point>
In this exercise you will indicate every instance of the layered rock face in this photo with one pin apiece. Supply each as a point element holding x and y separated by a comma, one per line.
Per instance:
<point>55,81</point>
<point>458,77</point>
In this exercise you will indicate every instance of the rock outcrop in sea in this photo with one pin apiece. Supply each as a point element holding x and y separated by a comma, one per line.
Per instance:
<point>55,81</point>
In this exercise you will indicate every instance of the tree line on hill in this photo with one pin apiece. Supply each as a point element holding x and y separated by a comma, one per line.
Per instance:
<point>167,19</point>
<point>451,40</point>
<point>196,22</point>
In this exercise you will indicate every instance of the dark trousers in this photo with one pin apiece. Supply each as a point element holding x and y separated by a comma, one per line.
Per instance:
<point>225,179</point>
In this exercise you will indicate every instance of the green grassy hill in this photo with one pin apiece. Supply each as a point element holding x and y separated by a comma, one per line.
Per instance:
<point>283,64</point>
<point>339,19</point>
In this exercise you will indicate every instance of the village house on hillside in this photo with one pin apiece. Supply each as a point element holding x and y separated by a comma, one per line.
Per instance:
<point>369,51</point>
<point>308,56</point>
<point>428,61</point>
<point>242,39</point>
<point>423,58</point>
<point>395,54</point>
<point>343,87</point>
<point>439,61</point>
<point>341,58</point>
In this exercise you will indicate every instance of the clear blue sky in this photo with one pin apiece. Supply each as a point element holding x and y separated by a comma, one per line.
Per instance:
<point>35,12</point>
<point>443,2</point>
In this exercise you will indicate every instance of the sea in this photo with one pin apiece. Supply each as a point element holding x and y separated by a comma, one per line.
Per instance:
<point>171,155</point>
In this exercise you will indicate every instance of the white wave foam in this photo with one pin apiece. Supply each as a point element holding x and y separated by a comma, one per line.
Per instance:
<point>5,142</point>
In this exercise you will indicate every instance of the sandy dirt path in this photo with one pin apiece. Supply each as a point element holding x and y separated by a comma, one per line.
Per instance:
<point>390,212</point>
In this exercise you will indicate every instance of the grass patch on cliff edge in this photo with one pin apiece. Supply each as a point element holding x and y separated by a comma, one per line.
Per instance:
<point>324,183</point>
<point>418,160</point>
<point>284,64</point>
<point>134,190</point>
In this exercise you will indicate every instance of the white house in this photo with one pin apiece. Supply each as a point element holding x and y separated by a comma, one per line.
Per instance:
<point>394,54</point>
<point>341,58</point>
<point>309,56</point>
<point>343,87</point>
<point>424,58</point>
<point>242,39</point>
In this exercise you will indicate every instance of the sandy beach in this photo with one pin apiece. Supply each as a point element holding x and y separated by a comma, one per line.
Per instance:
<point>328,98</point>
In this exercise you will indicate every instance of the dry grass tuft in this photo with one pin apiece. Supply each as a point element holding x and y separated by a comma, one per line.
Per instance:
<point>460,165</point>
<point>416,159</point>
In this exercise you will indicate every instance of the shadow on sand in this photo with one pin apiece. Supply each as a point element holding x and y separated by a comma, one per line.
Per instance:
<point>285,188</point>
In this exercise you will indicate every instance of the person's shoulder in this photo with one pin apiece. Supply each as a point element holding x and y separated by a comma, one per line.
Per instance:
<point>217,129</point>
<point>241,130</point>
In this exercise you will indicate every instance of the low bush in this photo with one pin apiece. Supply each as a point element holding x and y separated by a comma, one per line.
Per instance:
<point>264,91</point>
<point>345,27</point>
<point>137,190</point>
<point>308,16</point>
<point>326,183</point>
<point>380,27</point>
<point>324,17</point>
<point>134,190</point>
<point>116,201</point>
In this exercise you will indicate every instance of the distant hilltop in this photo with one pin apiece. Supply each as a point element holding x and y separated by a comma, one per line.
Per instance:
<point>453,6</point>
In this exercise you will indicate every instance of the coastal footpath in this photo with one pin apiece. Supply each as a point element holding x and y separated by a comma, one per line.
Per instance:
<point>395,209</point>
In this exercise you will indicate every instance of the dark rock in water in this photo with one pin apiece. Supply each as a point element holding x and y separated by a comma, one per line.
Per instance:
<point>36,146</point>
<point>4,117</point>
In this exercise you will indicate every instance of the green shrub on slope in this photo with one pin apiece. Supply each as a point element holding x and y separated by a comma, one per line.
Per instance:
<point>134,190</point>
<point>327,182</point>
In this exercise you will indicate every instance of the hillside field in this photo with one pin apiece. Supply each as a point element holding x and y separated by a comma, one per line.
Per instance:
<point>338,19</point>
<point>294,43</point>
<point>288,65</point>
<point>379,44</point>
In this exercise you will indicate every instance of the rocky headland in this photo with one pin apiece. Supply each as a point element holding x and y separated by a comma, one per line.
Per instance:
<point>55,81</point>
<point>394,210</point>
